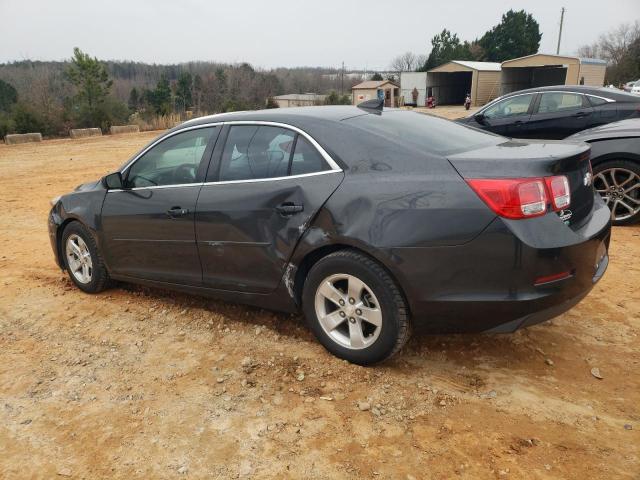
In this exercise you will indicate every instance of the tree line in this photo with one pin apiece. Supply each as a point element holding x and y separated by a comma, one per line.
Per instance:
<point>53,97</point>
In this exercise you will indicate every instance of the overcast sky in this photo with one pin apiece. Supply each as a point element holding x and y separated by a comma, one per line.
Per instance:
<point>362,33</point>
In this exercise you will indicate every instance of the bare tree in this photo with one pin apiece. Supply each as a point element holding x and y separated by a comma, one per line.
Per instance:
<point>407,62</point>
<point>613,45</point>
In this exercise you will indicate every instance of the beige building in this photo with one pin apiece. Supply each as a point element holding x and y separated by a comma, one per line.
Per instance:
<point>372,89</point>
<point>299,100</point>
<point>450,83</point>
<point>540,70</point>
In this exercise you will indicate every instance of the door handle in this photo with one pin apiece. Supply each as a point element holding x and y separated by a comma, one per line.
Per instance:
<point>174,212</point>
<point>581,114</point>
<point>289,208</point>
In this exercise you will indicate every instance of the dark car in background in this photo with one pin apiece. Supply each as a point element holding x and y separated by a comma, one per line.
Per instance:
<point>366,220</point>
<point>615,157</point>
<point>554,112</point>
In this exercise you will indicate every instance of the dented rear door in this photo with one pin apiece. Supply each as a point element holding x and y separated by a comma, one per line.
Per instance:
<point>247,229</point>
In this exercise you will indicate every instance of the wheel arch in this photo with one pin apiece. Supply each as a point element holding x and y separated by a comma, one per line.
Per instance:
<point>312,257</point>
<point>59,232</point>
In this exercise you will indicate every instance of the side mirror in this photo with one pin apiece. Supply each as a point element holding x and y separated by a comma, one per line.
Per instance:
<point>113,181</point>
<point>480,118</point>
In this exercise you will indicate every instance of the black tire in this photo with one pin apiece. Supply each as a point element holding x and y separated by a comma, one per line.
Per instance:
<point>395,329</point>
<point>99,275</point>
<point>621,164</point>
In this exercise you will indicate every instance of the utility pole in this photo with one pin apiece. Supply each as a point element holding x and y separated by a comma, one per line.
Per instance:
<point>560,33</point>
<point>342,80</point>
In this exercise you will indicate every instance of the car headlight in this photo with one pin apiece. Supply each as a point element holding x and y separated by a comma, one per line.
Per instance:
<point>55,200</point>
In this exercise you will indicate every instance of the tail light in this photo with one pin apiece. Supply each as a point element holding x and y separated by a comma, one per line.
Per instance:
<point>518,198</point>
<point>559,189</point>
<point>552,278</point>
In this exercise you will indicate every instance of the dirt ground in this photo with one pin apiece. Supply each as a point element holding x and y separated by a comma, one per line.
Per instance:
<point>448,111</point>
<point>142,383</point>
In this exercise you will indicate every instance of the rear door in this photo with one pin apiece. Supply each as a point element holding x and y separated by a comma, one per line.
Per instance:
<point>509,117</point>
<point>559,114</point>
<point>265,187</point>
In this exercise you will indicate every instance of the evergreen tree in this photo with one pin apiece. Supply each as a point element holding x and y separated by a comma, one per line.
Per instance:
<point>517,35</point>
<point>92,83</point>
<point>134,100</point>
<point>161,97</point>
<point>446,46</point>
<point>184,98</point>
<point>8,96</point>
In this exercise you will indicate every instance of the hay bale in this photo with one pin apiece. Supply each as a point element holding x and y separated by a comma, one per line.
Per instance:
<point>16,138</point>
<point>84,132</point>
<point>116,129</point>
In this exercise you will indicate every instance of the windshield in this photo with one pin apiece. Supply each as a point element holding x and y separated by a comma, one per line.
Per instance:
<point>425,132</point>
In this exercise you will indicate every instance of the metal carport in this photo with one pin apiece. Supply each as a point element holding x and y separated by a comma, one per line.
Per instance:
<point>449,83</point>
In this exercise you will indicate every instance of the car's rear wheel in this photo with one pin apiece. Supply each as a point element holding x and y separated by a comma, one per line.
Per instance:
<point>618,182</point>
<point>355,308</point>
<point>82,259</point>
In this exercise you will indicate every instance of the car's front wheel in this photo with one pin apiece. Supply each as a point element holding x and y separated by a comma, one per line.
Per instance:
<point>618,182</point>
<point>82,259</point>
<point>355,308</point>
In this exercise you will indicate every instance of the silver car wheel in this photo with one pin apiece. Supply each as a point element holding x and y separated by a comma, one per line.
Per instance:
<point>348,311</point>
<point>79,259</point>
<point>620,190</point>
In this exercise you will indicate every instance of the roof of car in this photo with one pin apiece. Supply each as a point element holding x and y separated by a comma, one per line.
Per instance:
<point>624,128</point>
<point>613,93</point>
<point>350,134</point>
<point>292,115</point>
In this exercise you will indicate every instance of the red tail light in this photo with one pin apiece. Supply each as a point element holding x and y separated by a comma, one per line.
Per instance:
<point>518,198</point>
<point>512,197</point>
<point>559,189</point>
<point>552,278</point>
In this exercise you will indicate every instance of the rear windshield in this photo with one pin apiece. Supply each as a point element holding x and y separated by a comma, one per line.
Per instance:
<point>425,132</point>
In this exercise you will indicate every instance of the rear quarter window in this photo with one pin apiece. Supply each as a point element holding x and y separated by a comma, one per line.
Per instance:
<point>596,101</point>
<point>425,132</point>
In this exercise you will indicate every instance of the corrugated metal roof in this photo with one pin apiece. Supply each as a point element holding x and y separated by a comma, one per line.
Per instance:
<point>593,61</point>
<point>482,66</point>
<point>373,84</point>
<point>301,96</point>
<point>596,61</point>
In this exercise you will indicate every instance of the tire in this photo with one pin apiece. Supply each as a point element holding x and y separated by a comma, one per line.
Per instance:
<point>79,235</point>
<point>380,300</point>
<point>619,198</point>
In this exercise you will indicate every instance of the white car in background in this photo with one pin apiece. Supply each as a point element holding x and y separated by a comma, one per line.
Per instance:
<point>635,88</point>
<point>629,85</point>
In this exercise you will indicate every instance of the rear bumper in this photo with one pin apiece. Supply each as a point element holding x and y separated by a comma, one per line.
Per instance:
<point>489,284</point>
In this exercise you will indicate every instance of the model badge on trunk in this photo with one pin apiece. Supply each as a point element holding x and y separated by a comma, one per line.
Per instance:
<point>565,215</point>
<point>587,179</point>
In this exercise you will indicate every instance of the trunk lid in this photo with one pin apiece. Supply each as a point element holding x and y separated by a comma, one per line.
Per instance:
<point>534,159</point>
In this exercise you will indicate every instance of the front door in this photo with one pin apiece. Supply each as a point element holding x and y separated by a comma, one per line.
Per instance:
<point>268,185</point>
<point>559,114</point>
<point>510,116</point>
<point>148,226</point>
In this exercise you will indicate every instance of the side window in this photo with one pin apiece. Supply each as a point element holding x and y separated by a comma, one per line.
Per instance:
<point>509,107</point>
<point>306,159</point>
<point>254,152</point>
<point>173,161</point>
<point>596,101</point>
<point>553,102</point>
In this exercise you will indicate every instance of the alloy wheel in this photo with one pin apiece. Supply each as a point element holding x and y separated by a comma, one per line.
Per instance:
<point>348,311</point>
<point>620,190</point>
<point>79,259</point>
